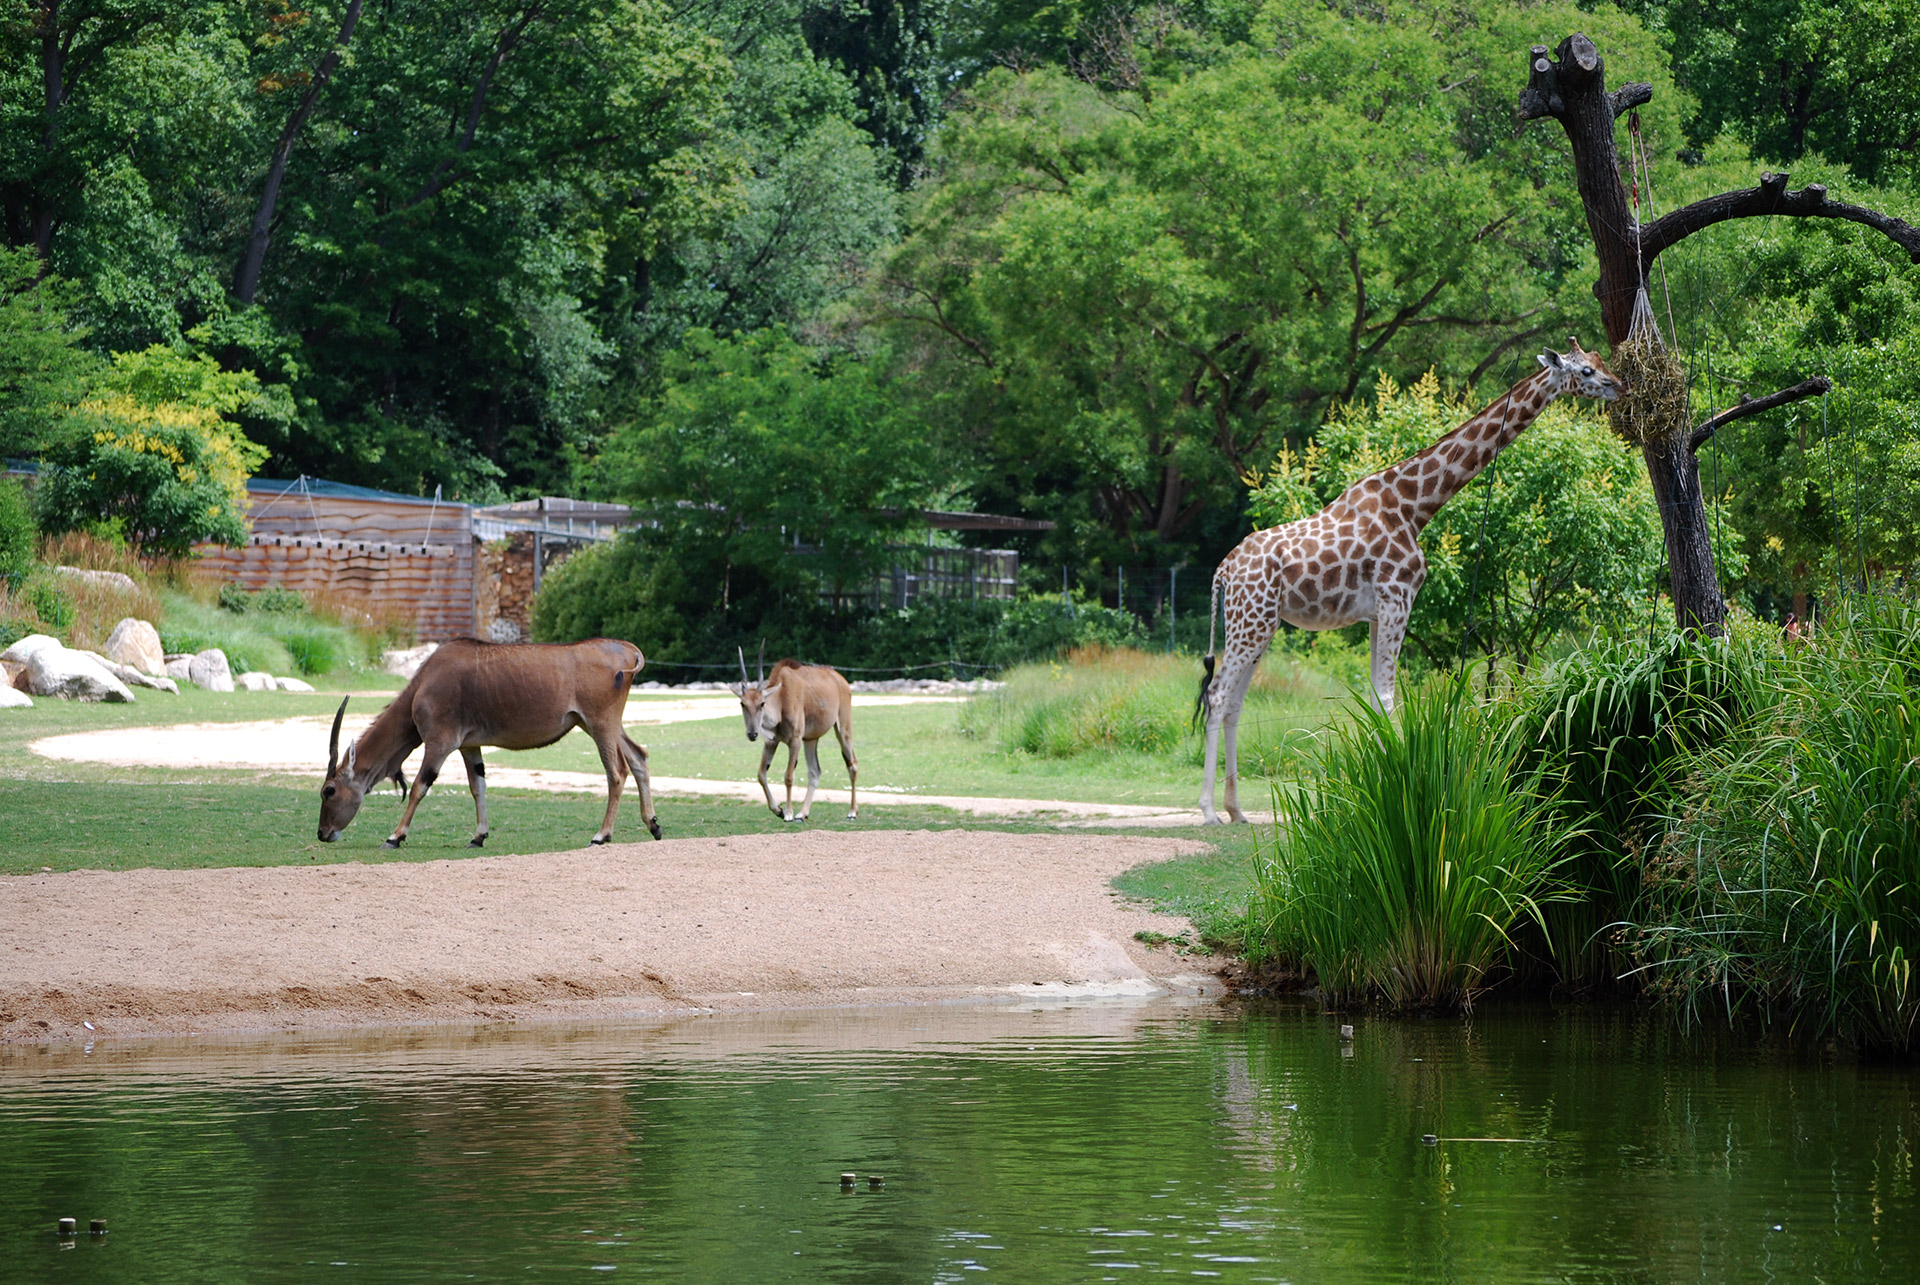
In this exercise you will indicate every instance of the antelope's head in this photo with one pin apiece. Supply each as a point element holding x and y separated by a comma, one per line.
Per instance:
<point>759,703</point>
<point>342,792</point>
<point>1581,373</point>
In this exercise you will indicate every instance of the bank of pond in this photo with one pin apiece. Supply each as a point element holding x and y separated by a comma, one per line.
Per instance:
<point>1728,826</point>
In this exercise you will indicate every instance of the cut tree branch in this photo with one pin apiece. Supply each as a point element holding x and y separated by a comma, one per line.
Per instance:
<point>1771,197</point>
<point>1754,405</point>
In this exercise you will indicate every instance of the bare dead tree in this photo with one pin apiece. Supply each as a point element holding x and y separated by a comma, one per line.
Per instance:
<point>1570,85</point>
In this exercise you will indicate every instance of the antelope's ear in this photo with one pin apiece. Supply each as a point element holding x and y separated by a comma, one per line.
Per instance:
<point>770,692</point>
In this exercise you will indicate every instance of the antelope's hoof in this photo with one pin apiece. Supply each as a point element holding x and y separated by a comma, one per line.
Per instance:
<point>599,840</point>
<point>394,843</point>
<point>853,816</point>
<point>478,841</point>
<point>653,828</point>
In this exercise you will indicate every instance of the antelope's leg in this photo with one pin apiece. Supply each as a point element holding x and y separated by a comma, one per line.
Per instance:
<point>813,776</point>
<point>430,762</point>
<point>853,771</point>
<point>477,782</point>
<point>615,762</point>
<point>637,761</point>
<point>793,754</point>
<point>766,761</point>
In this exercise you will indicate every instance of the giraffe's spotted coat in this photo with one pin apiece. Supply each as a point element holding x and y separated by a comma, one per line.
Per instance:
<point>1359,558</point>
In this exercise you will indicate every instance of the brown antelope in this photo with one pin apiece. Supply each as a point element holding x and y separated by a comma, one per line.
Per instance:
<point>471,693</point>
<point>794,707</point>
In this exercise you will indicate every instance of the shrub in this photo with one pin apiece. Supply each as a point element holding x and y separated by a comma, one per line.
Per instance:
<point>1790,882</point>
<point>275,599</point>
<point>1406,856</point>
<point>175,474</point>
<point>51,603</point>
<point>17,534</point>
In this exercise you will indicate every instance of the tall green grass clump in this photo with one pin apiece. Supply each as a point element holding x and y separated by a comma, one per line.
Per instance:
<point>1790,886</point>
<point>1614,731</point>
<point>1407,855</point>
<point>271,630</point>
<point>1103,700</point>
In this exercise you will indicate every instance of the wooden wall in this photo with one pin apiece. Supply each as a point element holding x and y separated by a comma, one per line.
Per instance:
<point>387,557</point>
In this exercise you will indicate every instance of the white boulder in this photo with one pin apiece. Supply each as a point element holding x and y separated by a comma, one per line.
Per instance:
<point>109,579</point>
<point>178,663</point>
<point>407,663</point>
<point>209,669</point>
<point>293,685</point>
<point>131,676</point>
<point>23,649</point>
<point>11,699</point>
<point>136,644</point>
<point>74,676</point>
<point>257,681</point>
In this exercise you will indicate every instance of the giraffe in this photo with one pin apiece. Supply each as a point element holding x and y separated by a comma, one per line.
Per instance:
<point>1359,558</point>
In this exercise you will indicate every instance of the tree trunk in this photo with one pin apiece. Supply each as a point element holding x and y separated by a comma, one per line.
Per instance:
<point>1571,87</point>
<point>246,281</point>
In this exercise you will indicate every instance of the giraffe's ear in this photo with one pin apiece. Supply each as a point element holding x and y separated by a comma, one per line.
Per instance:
<point>1550,360</point>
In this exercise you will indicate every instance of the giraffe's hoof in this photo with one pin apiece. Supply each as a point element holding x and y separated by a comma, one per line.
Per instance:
<point>1211,820</point>
<point>477,841</point>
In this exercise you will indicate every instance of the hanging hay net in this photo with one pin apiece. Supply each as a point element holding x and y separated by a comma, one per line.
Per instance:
<point>1654,406</point>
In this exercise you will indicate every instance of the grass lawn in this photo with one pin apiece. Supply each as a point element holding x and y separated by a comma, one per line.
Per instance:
<point>64,815</point>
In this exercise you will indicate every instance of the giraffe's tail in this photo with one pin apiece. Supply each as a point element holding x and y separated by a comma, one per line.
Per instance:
<point>1206,662</point>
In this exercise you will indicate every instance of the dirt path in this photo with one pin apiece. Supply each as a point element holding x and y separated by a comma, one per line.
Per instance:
<point>297,745</point>
<point>785,920</point>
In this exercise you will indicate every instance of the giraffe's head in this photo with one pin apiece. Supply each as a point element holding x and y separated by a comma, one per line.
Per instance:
<point>1581,373</point>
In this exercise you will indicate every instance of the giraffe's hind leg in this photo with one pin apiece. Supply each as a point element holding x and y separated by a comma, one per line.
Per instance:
<point>1224,698</point>
<point>1388,634</point>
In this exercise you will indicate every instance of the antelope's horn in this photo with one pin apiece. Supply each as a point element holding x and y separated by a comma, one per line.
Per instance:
<point>744,680</point>
<point>333,745</point>
<point>762,662</point>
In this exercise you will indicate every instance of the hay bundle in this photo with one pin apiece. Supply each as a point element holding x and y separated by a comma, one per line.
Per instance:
<point>1654,407</point>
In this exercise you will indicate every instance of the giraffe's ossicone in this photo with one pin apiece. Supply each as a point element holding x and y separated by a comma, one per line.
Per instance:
<point>1359,558</point>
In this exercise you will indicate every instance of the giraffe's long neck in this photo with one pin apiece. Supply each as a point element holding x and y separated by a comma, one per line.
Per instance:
<point>1443,470</point>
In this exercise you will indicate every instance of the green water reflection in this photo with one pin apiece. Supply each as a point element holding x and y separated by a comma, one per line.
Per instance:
<point>1109,1141</point>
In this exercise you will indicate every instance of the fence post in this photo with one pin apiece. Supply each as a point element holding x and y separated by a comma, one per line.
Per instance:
<point>1066,594</point>
<point>1173,583</point>
<point>1120,594</point>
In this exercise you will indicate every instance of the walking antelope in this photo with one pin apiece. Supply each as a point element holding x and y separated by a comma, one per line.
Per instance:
<point>794,707</point>
<point>471,693</point>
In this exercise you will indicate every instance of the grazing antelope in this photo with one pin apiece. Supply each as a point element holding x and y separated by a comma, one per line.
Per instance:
<point>471,693</point>
<point>794,707</point>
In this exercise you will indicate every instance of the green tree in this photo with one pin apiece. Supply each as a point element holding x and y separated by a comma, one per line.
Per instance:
<point>1124,301</point>
<point>43,367</point>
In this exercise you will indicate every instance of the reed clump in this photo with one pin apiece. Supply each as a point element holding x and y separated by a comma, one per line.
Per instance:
<point>1409,852</point>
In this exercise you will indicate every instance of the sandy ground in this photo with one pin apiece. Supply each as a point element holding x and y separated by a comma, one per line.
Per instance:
<point>299,745</point>
<point>787,920</point>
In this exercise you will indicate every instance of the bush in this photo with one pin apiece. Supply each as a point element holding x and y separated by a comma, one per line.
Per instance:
<point>629,589</point>
<point>273,600</point>
<point>1406,856</point>
<point>17,535</point>
<point>174,474</point>
<point>1789,883</point>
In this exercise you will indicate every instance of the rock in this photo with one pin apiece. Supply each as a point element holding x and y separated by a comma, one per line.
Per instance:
<point>74,676</point>
<point>210,670</point>
<point>178,668</point>
<point>23,649</point>
<point>109,579</point>
<point>407,663</point>
<point>17,677</point>
<point>131,676</point>
<point>256,681</point>
<point>10,699</point>
<point>293,685</point>
<point>135,642</point>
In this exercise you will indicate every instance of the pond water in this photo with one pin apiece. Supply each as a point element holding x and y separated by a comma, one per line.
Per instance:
<point>1091,1142</point>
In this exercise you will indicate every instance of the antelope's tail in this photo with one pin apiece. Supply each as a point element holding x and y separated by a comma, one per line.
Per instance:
<point>1206,662</point>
